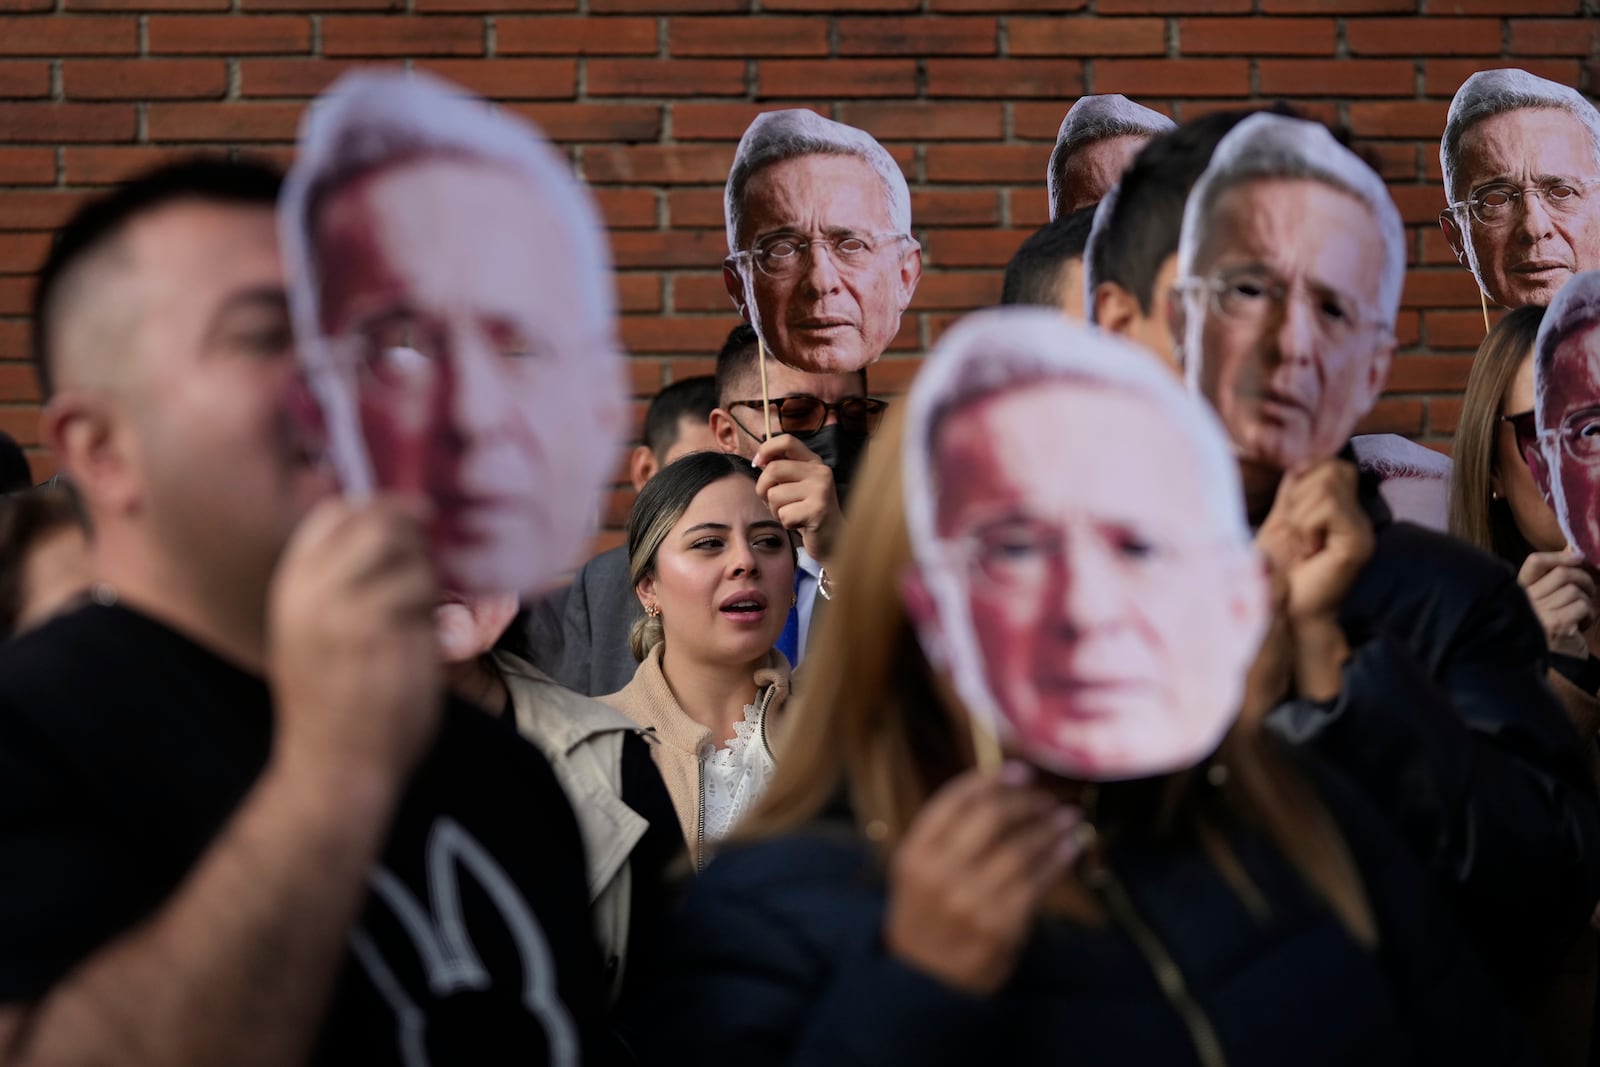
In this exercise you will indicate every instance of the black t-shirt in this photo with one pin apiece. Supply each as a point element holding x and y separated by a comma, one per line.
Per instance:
<point>124,749</point>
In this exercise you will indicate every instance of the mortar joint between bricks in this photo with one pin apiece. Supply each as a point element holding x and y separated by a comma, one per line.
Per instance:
<point>490,35</point>
<point>235,80</point>
<point>1174,45</point>
<point>663,40</point>
<point>1002,37</point>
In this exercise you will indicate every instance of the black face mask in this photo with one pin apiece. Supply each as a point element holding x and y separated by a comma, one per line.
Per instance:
<point>840,449</point>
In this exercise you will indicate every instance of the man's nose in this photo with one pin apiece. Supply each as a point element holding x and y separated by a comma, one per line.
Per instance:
<point>1294,330</point>
<point>479,398</point>
<point>821,274</point>
<point>1087,594</point>
<point>1535,223</point>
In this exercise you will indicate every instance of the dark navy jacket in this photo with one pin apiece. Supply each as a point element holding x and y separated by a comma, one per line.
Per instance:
<point>777,959</point>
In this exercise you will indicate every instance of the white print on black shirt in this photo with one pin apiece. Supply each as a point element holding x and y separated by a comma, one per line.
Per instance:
<point>442,941</point>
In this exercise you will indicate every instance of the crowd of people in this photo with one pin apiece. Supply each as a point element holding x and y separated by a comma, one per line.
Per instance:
<point>1105,699</point>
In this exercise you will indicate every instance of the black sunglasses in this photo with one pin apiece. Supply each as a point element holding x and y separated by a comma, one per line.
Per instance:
<point>1524,429</point>
<point>803,413</point>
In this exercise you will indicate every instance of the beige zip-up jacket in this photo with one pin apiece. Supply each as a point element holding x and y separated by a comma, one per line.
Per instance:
<point>648,701</point>
<point>582,739</point>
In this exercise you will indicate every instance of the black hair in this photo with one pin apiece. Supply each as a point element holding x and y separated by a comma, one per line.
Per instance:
<point>210,178</point>
<point>691,398</point>
<point>1142,227</point>
<point>737,355</point>
<point>27,517</point>
<point>1035,273</point>
<point>14,471</point>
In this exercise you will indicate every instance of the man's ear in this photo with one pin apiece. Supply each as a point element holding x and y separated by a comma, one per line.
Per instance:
<point>910,274</point>
<point>725,431</point>
<point>93,448</point>
<point>734,282</point>
<point>1453,236</point>
<point>1115,309</point>
<point>642,466</point>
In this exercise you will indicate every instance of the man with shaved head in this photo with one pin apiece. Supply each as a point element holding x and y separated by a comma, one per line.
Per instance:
<point>243,824</point>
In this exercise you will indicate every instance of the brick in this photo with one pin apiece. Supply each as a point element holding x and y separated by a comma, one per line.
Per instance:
<point>1339,7</point>
<point>1444,414</point>
<point>27,166</point>
<point>1087,37</point>
<point>660,77</point>
<point>1008,6</point>
<point>1336,77</point>
<point>1439,288</point>
<point>13,339</point>
<point>764,35</point>
<point>108,166</point>
<point>668,7</point>
<point>144,6</point>
<point>1554,37</point>
<point>1502,7</point>
<point>693,208</point>
<point>228,34</point>
<point>703,249</point>
<point>1419,204</point>
<point>22,253</point>
<point>37,209</point>
<point>640,293</point>
<point>48,123</point>
<point>701,292</point>
<point>324,6</point>
<point>1005,78</point>
<point>1028,206</point>
<point>26,7</point>
<point>223,122</point>
<point>1442,77</point>
<point>987,163</point>
<point>510,79</point>
<point>919,120</point>
<point>921,35</point>
<point>22,423</point>
<point>69,35</point>
<point>1430,374</point>
<point>520,7</point>
<point>146,79</point>
<point>19,382</point>
<point>840,6</point>
<point>956,291</point>
<point>837,77</point>
<point>696,335</point>
<point>1173,7</point>
<point>1393,416</point>
<point>603,123</point>
<point>22,80</point>
<point>1256,36</point>
<point>1397,162</point>
<point>657,164</point>
<point>1171,77</point>
<point>1398,118</point>
<point>722,122</point>
<point>288,77</point>
<point>388,35</point>
<point>1435,37</point>
<point>1454,329</point>
<point>582,35</point>
<point>955,207</point>
<point>971,248</point>
<point>627,208</point>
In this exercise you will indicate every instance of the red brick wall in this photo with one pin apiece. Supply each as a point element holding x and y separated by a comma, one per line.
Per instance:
<point>649,97</point>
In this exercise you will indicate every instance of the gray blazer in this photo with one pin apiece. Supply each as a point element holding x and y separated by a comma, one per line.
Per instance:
<point>579,635</point>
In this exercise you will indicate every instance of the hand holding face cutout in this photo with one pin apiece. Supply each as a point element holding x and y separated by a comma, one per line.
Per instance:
<point>1318,537</point>
<point>798,488</point>
<point>1563,597</point>
<point>966,882</point>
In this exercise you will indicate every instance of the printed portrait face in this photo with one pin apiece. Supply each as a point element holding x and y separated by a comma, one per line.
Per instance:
<point>1566,459</point>
<point>1529,185</point>
<point>1281,329</point>
<point>1085,591</point>
<point>822,272</point>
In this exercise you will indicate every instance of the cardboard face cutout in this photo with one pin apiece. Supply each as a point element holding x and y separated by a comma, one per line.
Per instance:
<point>1077,527</point>
<point>453,302</point>
<point>1566,388</point>
<point>821,258</point>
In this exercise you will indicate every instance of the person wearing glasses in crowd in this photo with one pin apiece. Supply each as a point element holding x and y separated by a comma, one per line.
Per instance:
<point>820,427</point>
<point>1421,673</point>
<point>821,260</point>
<point>1521,161</point>
<point>1150,877</point>
<point>1496,505</point>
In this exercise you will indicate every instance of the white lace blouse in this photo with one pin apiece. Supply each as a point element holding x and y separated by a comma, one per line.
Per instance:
<point>735,776</point>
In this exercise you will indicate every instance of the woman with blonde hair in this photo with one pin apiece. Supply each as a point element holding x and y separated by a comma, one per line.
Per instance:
<point>1056,554</point>
<point>715,573</point>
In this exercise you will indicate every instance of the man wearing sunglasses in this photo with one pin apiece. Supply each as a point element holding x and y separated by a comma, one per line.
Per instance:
<point>1418,665</point>
<point>1521,160</point>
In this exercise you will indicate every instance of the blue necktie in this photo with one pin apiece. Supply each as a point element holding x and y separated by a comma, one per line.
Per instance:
<point>789,640</point>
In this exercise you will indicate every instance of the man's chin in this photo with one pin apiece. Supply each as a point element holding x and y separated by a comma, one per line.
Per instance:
<point>826,357</point>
